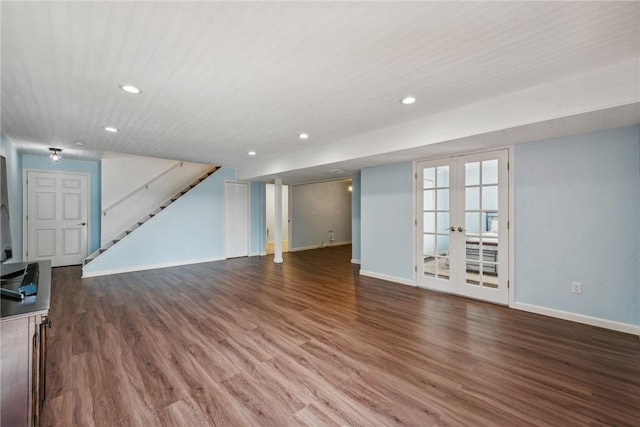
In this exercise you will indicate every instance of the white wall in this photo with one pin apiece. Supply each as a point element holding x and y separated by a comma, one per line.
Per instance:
<point>316,209</point>
<point>270,200</point>
<point>123,173</point>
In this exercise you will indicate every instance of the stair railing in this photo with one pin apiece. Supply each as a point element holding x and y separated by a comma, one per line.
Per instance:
<point>144,186</point>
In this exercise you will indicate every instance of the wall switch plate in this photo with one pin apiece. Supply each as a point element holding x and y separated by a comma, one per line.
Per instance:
<point>576,287</point>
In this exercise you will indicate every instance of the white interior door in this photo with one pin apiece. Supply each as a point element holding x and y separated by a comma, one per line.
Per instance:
<point>462,226</point>
<point>56,224</point>
<point>236,220</point>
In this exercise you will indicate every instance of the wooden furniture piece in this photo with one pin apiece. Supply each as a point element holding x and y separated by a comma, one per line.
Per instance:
<point>23,326</point>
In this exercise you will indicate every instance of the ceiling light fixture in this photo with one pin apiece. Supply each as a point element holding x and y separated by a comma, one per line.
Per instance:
<point>407,100</point>
<point>303,136</point>
<point>79,143</point>
<point>252,153</point>
<point>111,129</point>
<point>130,89</point>
<point>55,154</point>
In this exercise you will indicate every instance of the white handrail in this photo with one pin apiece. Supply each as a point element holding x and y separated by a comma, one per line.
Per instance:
<point>144,186</point>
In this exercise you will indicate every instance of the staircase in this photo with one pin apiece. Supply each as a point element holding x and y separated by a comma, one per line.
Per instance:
<point>148,217</point>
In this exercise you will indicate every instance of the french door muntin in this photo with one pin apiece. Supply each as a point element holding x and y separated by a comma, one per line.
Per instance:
<point>462,212</point>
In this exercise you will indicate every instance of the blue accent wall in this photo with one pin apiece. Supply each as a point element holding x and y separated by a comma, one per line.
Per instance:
<point>78,166</point>
<point>190,230</point>
<point>14,187</point>
<point>577,204</point>
<point>355,218</point>
<point>387,220</point>
<point>258,219</point>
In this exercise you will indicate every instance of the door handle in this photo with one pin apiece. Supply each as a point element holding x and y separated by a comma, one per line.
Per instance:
<point>461,228</point>
<point>83,224</point>
<point>452,228</point>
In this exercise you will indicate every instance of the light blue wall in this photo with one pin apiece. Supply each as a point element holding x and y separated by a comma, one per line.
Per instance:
<point>190,230</point>
<point>386,220</point>
<point>14,187</point>
<point>355,218</point>
<point>258,215</point>
<point>316,209</point>
<point>577,204</point>
<point>79,166</point>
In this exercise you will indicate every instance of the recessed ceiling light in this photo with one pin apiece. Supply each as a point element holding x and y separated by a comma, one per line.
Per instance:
<point>79,143</point>
<point>251,153</point>
<point>130,89</point>
<point>408,100</point>
<point>110,129</point>
<point>303,136</point>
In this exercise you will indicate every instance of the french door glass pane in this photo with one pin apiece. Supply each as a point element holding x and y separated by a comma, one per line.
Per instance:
<point>443,200</point>
<point>490,198</point>
<point>429,177</point>
<point>429,245</point>
<point>429,200</point>
<point>443,244</point>
<point>472,198</point>
<point>472,222</point>
<point>472,173</point>
<point>490,172</point>
<point>429,222</point>
<point>443,222</point>
<point>443,176</point>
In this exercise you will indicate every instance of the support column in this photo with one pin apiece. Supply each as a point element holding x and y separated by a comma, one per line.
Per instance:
<point>277,235</point>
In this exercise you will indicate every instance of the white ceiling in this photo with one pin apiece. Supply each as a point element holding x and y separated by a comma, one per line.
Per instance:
<point>222,78</point>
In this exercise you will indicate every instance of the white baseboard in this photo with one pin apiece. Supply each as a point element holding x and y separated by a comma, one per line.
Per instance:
<point>355,261</point>
<point>401,280</point>
<point>307,248</point>
<point>580,318</point>
<point>145,267</point>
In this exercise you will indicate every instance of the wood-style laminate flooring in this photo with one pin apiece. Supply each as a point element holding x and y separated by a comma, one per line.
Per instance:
<point>246,342</point>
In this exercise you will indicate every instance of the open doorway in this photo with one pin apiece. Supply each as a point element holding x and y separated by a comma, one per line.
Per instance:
<point>270,223</point>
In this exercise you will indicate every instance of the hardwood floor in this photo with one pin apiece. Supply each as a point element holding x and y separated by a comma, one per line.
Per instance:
<point>246,342</point>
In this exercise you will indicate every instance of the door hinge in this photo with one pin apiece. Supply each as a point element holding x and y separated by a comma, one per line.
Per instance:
<point>508,225</point>
<point>27,254</point>
<point>415,176</point>
<point>415,222</point>
<point>508,284</point>
<point>415,268</point>
<point>507,165</point>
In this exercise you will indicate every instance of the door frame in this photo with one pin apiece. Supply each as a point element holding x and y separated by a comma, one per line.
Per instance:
<point>25,197</point>
<point>224,214</point>
<point>510,215</point>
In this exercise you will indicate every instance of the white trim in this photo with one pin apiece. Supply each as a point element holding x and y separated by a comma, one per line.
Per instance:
<point>388,278</point>
<point>579,318</point>
<point>512,227</point>
<point>307,248</point>
<point>147,267</point>
<point>25,207</point>
<point>355,261</point>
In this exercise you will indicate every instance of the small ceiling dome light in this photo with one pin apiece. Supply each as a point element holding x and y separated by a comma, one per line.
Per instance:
<point>55,154</point>
<point>350,188</point>
<point>111,129</point>
<point>303,136</point>
<point>130,89</point>
<point>251,153</point>
<point>407,100</point>
<point>79,143</point>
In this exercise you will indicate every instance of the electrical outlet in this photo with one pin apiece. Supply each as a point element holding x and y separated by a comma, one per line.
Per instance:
<point>576,287</point>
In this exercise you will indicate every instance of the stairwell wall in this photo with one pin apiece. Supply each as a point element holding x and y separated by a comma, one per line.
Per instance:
<point>124,173</point>
<point>190,230</point>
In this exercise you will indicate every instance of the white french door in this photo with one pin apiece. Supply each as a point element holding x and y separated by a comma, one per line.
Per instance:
<point>462,213</point>
<point>56,224</point>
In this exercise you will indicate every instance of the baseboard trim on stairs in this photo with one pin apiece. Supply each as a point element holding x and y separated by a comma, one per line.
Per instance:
<point>147,267</point>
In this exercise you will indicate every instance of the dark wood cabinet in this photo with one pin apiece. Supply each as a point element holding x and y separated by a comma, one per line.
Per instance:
<point>23,344</point>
